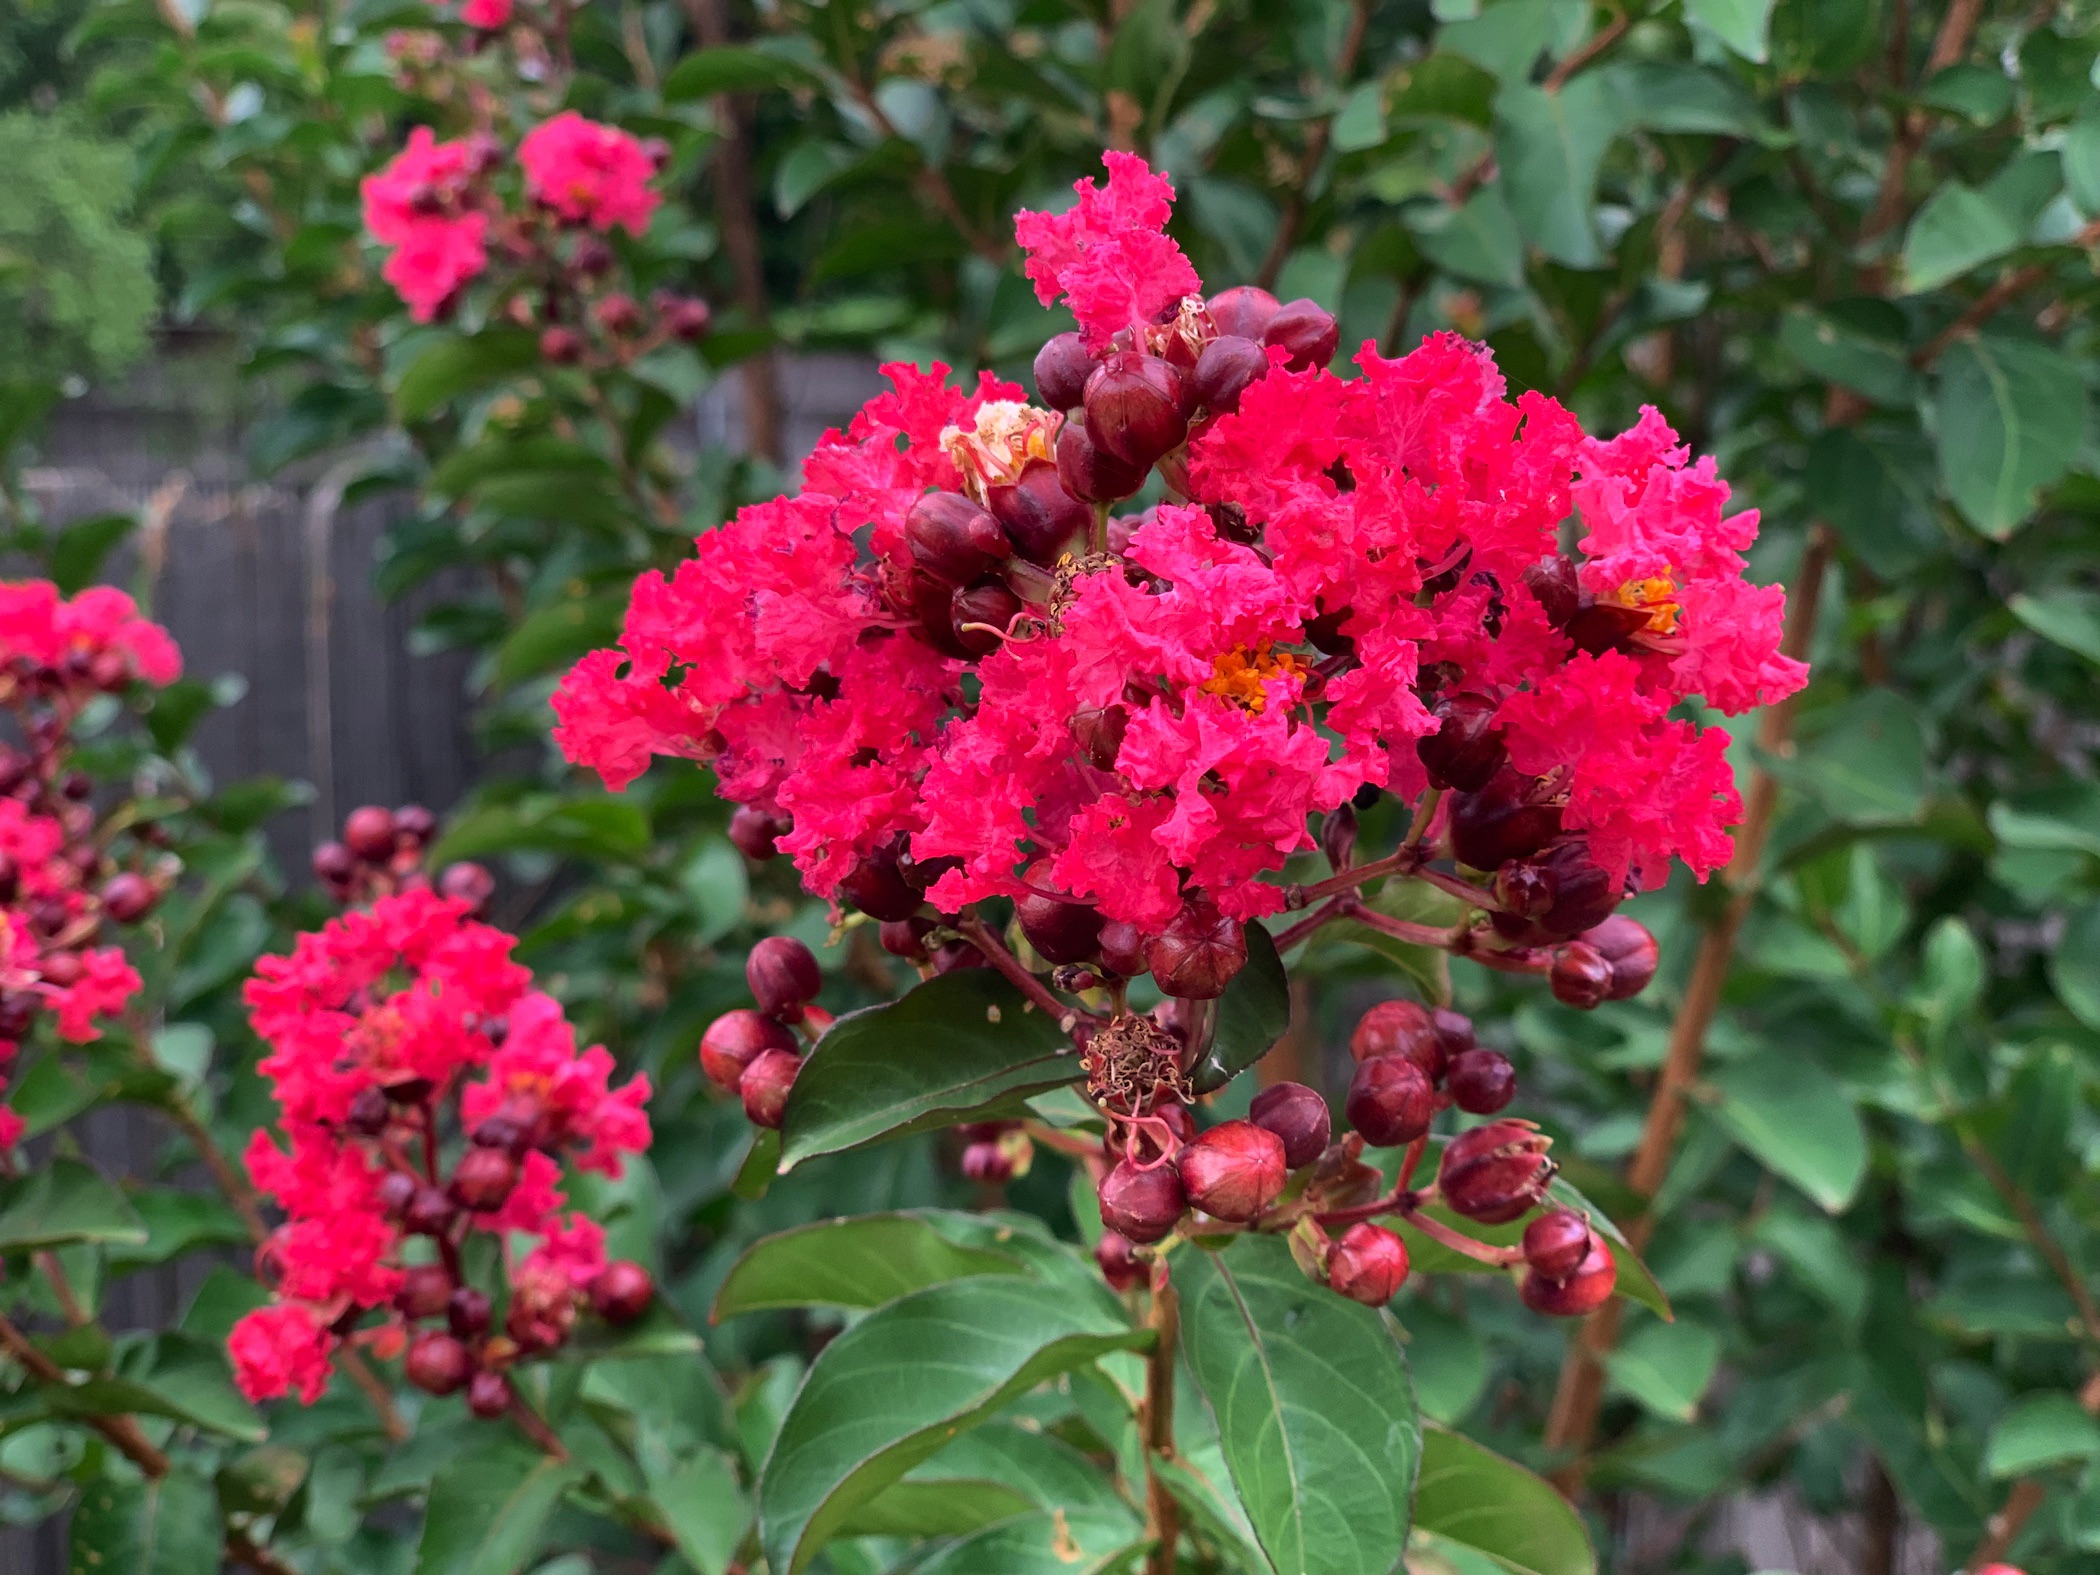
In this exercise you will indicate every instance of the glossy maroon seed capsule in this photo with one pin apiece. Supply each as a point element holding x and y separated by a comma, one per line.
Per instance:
<point>1584,1290</point>
<point>622,1291</point>
<point>1554,584</point>
<point>1134,407</point>
<point>783,975</point>
<point>335,863</point>
<point>1583,894</point>
<point>368,1113</point>
<point>1062,367</point>
<point>1556,1243</point>
<point>1481,1082</point>
<point>1119,1263</point>
<point>1224,371</point>
<point>1368,1264</point>
<point>1580,976</point>
<point>957,955</point>
<point>1390,1102</point>
<point>1245,311</point>
<point>425,1289</point>
<point>468,1313</point>
<point>1466,750</point>
<point>470,883</point>
<point>1628,946</point>
<point>1060,931</point>
<point>736,1039</point>
<point>1041,519</point>
<point>1199,951</point>
<point>1454,1031</point>
<point>429,1213</point>
<point>1089,472</point>
<point>1233,1171</point>
<point>1501,822</point>
<point>1497,1172</point>
<point>756,833</point>
<point>767,1081</point>
<point>1605,626</point>
<point>488,1395</point>
<point>953,539</point>
<point>437,1363</point>
<point>980,613</point>
<point>483,1178</point>
<point>128,898</point>
<point>369,832</point>
<point>1402,1028</point>
<point>1299,1118</point>
<point>415,823</point>
<point>1338,835</point>
<point>1306,331</point>
<point>905,938</point>
<point>1143,1205</point>
<point>989,1163</point>
<point>1123,949</point>
<point>1525,891</point>
<point>396,1191</point>
<point>878,888</point>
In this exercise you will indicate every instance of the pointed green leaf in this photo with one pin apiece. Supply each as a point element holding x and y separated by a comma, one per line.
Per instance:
<point>730,68</point>
<point>703,1504</point>
<point>1473,1497</point>
<point>2068,618</point>
<point>66,1201</point>
<point>1478,241</point>
<point>164,1527</point>
<point>1550,146</point>
<point>1797,1121</point>
<point>1841,346</point>
<point>487,1508</point>
<point>1253,1013</point>
<point>860,1262</point>
<point>1743,25</point>
<point>456,365</point>
<point>1667,1367</point>
<point>2010,417</point>
<point>1957,229</point>
<point>1081,1542</point>
<point>2041,1430</point>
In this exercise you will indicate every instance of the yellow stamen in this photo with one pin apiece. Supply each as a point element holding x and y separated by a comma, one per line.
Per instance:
<point>1657,597</point>
<point>1238,675</point>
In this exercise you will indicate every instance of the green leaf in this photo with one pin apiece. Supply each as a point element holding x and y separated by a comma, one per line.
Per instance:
<point>1473,1497</point>
<point>67,1201</point>
<point>2066,822</point>
<point>1842,346</point>
<point>1082,1542</point>
<point>1797,1121</point>
<point>556,636</point>
<point>1253,1013</point>
<point>1478,241</point>
<point>1983,94</point>
<point>175,1376</point>
<point>2081,156</point>
<point>1360,122</point>
<point>606,828</point>
<point>1866,761</point>
<point>2074,968</point>
<point>730,69</point>
<point>760,1165</point>
<point>457,365</point>
<point>1743,25</point>
<point>2066,617</point>
<point>704,1507</point>
<point>1314,1407</point>
<point>1507,38</point>
<point>1667,1367</point>
<point>874,1405</point>
<point>1957,229</point>
<point>2041,1430</point>
<point>860,1262</point>
<point>1550,146</point>
<point>1878,495</point>
<point>487,1508</point>
<point>168,1526</point>
<point>2010,417</point>
<point>954,1046</point>
<point>76,557</point>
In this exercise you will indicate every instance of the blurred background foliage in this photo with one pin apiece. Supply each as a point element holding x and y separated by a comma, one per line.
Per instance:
<point>1845,245</point>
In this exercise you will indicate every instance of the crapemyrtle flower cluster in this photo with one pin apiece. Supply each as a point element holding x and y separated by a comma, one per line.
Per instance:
<point>65,876</point>
<point>445,209</point>
<point>428,1093</point>
<point>381,851</point>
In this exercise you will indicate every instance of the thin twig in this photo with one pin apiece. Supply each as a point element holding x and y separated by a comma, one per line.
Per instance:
<point>121,1431</point>
<point>1317,136</point>
<point>979,935</point>
<point>2003,1528</point>
<point>1589,50</point>
<point>2010,285</point>
<point>1948,46</point>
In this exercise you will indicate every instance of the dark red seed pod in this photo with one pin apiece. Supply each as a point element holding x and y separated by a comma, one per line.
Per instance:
<point>1497,1172</point>
<point>1556,1243</point>
<point>686,318</point>
<point>1466,750</point>
<point>369,833</point>
<point>483,1179</point>
<point>1199,951</point>
<point>766,1084</point>
<point>1233,1171</point>
<point>783,976</point>
<point>593,257</point>
<point>488,1395</point>
<point>1143,1205</point>
<point>1245,311</point>
<point>618,313</point>
<point>1525,891</point>
<point>1099,733</point>
<point>1325,632</point>
<point>430,1212</point>
<point>335,863</point>
<point>877,886</point>
<point>1583,894</point>
<point>622,1291</point>
<point>1306,331</point>
<point>1454,1031</point>
<point>395,1192</point>
<point>468,1313</point>
<point>1123,949</point>
<point>1298,1116</point>
<point>957,955</point>
<point>1338,835</point>
<point>1501,821</point>
<point>1628,946</point>
<point>1062,367</point>
<point>919,874</point>
<point>508,1130</point>
<point>756,833</point>
<point>1481,1082</point>
<point>987,1162</point>
<point>1224,370</point>
<point>437,1363</point>
<point>1554,584</point>
<point>1060,931</point>
<point>1135,409</point>
<point>414,823</point>
<point>1605,626</point>
<point>1586,1288</point>
<point>470,883</point>
<point>1089,472</point>
<point>1580,976</point>
<point>1041,519</point>
<point>369,1110</point>
<point>18,1013</point>
<point>129,898</point>
<point>1403,1028</point>
<point>1120,1265</point>
<point>425,1289</point>
<point>1390,1102</point>
<point>1368,1265</point>
<point>953,539</point>
<point>976,611</point>
<point>736,1039</point>
<point>905,938</point>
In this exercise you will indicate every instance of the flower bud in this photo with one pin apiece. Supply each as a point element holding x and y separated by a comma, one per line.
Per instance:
<point>1143,1205</point>
<point>1199,951</point>
<point>1496,1172</point>
<point>736,1039</point>
<point>1120,1265</point>
<point>562,346</point>
<point>1338,836</point>
<point>1454,1031</point>
<point>129,898</point>
<point>1041,519</point>
<point>975,611</point>
<point>756,833</point>
<point>1368,1265</point>
<point>1630,949</point>
<point>1586,1288</point>
<point>1554,584</point>
<point>1525,891</point>
<point>1481,1082</point>
<point>1580,976</point>
<point>952,539</point>
<point>1062,367</point>
<point>1402,1028</point>
<point>425,1288</point>
<point>368,1113</point>
<point>1224,370</point>
<point>988,1162</point>
<point>684,317</point>
<point>957,955</point>
<point>905,938</point>
<point>783,975</point>
<point>1501,822</point>
<point>1088,471</point>
<point>369,833</point>
<point>622,1291</point>
<point>1556,1243</point>
<point>469,883</point>
<point>618,313</point>
<point>437,1363</point>
<point>1134,407</point>
<point>1233,1171</point>
<point>1299,1118</point>
<point>395,1192</point>
<point>429,1212</point>
<point>483,1179</point>
<point>1244,312</point>
<point>1466,750</point>
<point>467,1312</point>
<point>1583,894</point>
<point>1307,331</point>
<point>766,1084</point>
<point>876,885</point>
<point>1060,931</point>
<point>415,825</point>
<point>1123,949</point>
<point>1390,1101</point>
<point>488,1395</point>
<point>593,257</point>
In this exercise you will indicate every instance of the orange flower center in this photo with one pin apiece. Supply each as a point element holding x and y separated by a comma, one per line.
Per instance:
<point>1238,675</point>
<point>1657,597</point>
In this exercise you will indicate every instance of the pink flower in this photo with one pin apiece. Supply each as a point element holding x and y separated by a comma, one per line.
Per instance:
<point>106,982</point>
<point>421,205</point>
<point>1108,254</point>
<point>488,15</point>
<point>278,1348</point>
<point>588,173</point>
<point>42,628</point>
